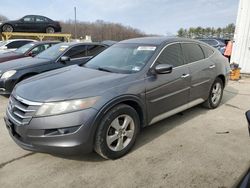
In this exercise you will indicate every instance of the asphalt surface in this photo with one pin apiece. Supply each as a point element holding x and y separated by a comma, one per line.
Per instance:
<point>198,148</point>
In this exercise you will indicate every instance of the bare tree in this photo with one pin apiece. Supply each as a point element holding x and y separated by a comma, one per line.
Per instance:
<point>3,18</point>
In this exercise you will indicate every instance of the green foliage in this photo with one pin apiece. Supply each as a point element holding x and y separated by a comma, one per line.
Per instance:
<point>226,32</point>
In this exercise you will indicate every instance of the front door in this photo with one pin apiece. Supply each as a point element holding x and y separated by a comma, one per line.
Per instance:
<point>168,93</point>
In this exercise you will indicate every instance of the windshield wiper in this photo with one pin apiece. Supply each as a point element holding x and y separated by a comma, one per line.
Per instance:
<point>106,69</point>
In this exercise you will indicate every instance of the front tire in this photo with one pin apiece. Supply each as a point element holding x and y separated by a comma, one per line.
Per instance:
<point>117,132</point>
<point>7,28</point>
<point>215,94</point>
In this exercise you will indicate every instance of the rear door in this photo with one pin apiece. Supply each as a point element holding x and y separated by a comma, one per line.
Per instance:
<point>201,70</point>
<point>41,23</point>
<point>166,92</point>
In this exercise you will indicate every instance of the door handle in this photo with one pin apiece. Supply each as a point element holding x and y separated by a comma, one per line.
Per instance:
<point>212,66</point>
<point>185,75</point>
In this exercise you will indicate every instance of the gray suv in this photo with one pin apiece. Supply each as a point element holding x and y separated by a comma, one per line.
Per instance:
<point>103,104</point>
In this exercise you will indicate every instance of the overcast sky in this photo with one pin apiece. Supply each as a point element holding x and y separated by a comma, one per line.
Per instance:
<point>150,16</point>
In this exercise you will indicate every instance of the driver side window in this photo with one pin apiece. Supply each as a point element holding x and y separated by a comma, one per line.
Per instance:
<point>172,55</point>
<point>77,52</point>
<point>29,19</point>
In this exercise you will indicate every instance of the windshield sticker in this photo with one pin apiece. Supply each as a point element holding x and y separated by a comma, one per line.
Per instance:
<point>136,68</point>
<point>146,48</point>
<point>62,48</point>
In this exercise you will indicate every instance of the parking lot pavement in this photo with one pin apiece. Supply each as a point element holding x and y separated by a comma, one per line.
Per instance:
<point>198,148</point>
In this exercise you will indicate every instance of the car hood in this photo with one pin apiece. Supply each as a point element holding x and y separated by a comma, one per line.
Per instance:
<point>9,55</point>
<point>21,63</point>
<point>73,82</point>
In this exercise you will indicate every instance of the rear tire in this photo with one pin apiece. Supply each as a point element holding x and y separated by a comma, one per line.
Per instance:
<point>50,30</point>
<point>7,28</point>
<point>117,132</point>
<point>215,95</point>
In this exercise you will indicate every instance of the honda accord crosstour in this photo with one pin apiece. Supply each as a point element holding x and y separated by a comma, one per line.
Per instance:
<point>103,104</point>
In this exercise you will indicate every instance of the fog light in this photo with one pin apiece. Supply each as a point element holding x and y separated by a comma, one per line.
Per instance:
<point>61,131</point>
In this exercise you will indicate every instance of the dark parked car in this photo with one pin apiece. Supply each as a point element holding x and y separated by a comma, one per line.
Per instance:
<point>217,43</point>
<point>31,23</point>
<point>57,56</point>
<point>30,49</point>
<point>104,104</point>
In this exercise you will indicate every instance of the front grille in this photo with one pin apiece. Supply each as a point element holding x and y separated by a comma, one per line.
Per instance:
<point>21,111</point>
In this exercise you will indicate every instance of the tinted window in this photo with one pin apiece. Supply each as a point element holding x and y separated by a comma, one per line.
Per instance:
<point>17,44</point>
<point>207,51</point>
<point>77,52</point>
<point>94,50</point>
<point>172,55</point>
<point>29,19</point>
<point>192,52</point>
<point>41,19</point>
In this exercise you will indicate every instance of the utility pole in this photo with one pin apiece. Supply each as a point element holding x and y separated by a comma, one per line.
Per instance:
<point>75,22</point>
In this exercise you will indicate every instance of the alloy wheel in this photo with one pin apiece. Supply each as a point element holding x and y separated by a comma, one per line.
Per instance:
<point>216,93</point>
<point>120,133</point>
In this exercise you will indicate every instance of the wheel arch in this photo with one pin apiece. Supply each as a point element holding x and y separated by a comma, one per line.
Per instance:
<point>26,75</point>
<point>223,79</point>
<point>131,100</point>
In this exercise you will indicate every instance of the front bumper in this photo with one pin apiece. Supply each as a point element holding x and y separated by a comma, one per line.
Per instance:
<point>40,134</point>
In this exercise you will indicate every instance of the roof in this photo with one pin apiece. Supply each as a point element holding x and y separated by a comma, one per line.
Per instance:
<point>157,40</point>
<point>46,42</point>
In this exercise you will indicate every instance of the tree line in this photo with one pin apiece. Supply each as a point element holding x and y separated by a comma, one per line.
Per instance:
<point>98,30</point>
<point>200,32</point>
<point>101,30</point>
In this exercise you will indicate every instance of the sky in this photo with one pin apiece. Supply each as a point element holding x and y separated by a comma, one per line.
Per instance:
<point>162,17</point>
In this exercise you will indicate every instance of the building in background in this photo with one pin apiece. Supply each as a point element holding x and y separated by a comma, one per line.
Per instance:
<point>241,46</point>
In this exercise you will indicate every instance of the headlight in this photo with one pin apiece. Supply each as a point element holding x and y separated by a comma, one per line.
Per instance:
<point>48,109</point>
<point>8,74</point>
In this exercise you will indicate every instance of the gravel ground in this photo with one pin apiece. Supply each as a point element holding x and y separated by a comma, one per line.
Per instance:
<point>198,148</point>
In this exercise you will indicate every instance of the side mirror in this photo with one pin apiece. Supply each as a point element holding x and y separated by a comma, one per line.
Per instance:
<point>163,68</point>
<point>31,54</point>
<point>64,59</point>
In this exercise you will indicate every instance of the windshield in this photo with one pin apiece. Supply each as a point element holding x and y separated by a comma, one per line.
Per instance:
<point>24,48</point>
<point>122,58</point>
<point>53,52</point>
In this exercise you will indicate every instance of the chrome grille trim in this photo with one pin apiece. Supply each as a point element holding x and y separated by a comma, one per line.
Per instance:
<point>30,103</point>
<point>21,116</point>
<point>13,118</point>
<point>21,111</point>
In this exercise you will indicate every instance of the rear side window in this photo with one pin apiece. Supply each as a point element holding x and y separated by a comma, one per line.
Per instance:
<point>207,51</point>
<point>94,50</point>
<point>172,55</point>
<point>77,52</point>
<point>192,52</point>
<point>17,44</point>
